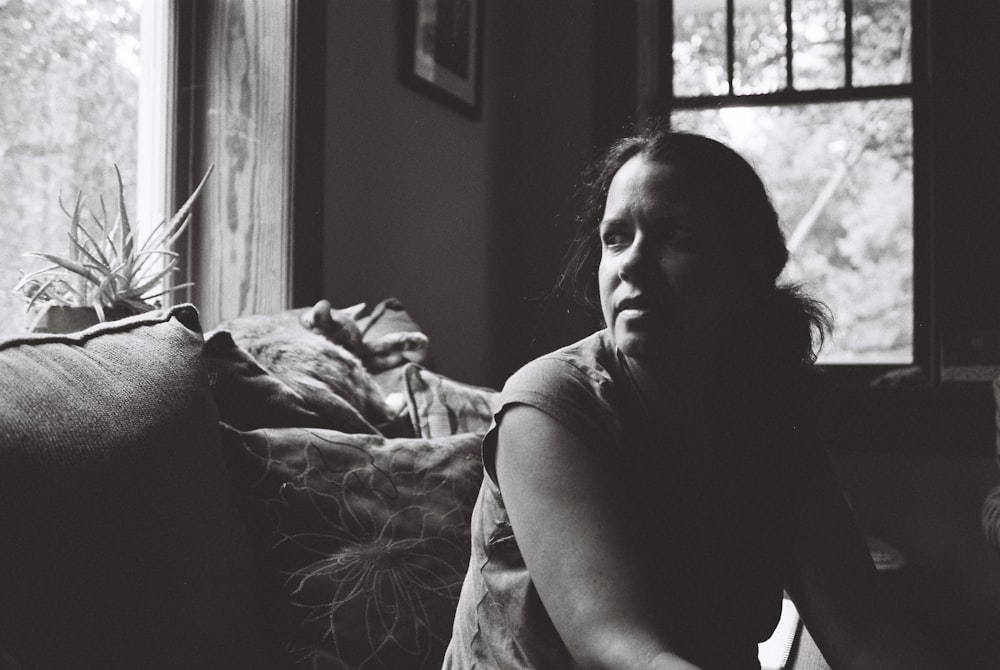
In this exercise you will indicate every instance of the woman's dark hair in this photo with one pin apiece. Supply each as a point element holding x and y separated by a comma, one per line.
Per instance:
<point>727,188</point>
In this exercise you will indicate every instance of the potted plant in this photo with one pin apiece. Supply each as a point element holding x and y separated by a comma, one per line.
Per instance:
<point>108,272</point>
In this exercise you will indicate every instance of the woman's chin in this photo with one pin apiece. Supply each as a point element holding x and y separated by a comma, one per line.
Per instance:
<point>640,344</point>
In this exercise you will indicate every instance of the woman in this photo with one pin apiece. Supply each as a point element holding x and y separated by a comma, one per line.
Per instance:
<point>652,489</point>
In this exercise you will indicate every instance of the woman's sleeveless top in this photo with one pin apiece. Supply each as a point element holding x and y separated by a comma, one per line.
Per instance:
<point>710,494</point>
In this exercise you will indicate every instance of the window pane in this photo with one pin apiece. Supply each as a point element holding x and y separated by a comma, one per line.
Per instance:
<point>818,39</point>
<point>759,47</point>
<point>841,178</point>
<point>70,77</point>
<point>881,42</point>
<point>699,50</point>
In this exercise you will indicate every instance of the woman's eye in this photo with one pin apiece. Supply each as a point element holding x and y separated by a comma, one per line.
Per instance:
<point>614,238</point>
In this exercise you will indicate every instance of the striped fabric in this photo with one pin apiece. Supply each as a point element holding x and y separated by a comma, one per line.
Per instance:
<point>991,507</point>
<point>440,406</point>
<point>991,517</point>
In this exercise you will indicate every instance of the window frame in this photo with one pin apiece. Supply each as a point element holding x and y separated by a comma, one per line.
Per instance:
<point>655,97</point>
<point>156,191</point>
<point>306,71</point>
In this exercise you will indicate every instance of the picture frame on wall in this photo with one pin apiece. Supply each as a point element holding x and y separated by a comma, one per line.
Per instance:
<point>441,50</point>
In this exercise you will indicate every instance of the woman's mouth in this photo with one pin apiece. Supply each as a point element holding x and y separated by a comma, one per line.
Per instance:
<point>642,311</point>
<point>634,307</point>
<point>632,313</point>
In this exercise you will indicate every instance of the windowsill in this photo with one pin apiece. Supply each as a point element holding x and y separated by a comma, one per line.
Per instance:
<point>890,376</point>
<point>970,373</point>
<point>864,376</point>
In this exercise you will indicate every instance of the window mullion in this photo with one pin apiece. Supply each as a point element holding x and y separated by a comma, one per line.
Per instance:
<point>789,78</point>
<point>157,119</point>
<point>796,97</point>
<point>849,43</point>
<point>730,44</point>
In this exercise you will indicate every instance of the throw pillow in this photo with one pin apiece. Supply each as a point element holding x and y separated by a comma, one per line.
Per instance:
<point>122,545</point>
<point>441,406</point>
<point>366,539</point>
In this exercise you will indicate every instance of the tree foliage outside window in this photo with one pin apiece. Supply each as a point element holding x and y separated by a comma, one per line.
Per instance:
<point>69,111</point>
<point>840,172</point>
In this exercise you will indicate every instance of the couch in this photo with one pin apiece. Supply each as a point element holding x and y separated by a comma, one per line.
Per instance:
<point>165,502</point>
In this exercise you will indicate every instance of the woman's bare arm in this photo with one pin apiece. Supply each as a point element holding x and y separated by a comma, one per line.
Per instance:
<point>558,497</point>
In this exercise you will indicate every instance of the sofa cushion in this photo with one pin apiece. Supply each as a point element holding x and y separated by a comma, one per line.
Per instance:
<point>122,546</point>
<point>440,406</point>
<point>366,539</point>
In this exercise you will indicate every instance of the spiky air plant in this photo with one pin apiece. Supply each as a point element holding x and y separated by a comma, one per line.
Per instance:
<point>107,266</point>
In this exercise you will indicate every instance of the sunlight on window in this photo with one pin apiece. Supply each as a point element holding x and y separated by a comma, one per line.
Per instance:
<point>840,171</point>
<point>819,35</point>
<point>69,112</point>
<point>699,51</point>
<point>841,178</point>
<point>759,48</point>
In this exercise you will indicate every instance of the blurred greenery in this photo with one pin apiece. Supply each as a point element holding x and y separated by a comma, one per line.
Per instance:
<point>840,174</point>
<point>70,76</point>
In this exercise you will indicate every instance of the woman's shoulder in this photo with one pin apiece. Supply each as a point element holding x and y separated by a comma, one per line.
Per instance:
<point>590,361</point>
<point>574,386</point>
<point>577,385</point>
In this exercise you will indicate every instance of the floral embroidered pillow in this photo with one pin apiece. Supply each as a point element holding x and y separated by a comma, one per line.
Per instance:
<point>364,540</point>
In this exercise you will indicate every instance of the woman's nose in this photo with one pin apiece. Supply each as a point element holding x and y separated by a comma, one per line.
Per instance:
<point>634,262</point>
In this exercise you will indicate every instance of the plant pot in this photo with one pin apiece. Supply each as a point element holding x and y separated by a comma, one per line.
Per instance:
<point>63,319</point>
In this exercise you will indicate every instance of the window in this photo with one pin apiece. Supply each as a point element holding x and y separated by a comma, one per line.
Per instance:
<point>83,81</point>
<point>818,95</point>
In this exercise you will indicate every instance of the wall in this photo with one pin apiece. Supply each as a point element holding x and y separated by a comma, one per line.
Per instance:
<point>405,191</point>
<point>541,132</point>
<point>965,106</point>
<point>453,216</point>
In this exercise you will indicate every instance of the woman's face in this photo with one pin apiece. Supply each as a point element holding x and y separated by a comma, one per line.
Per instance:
<point>667,274</point>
